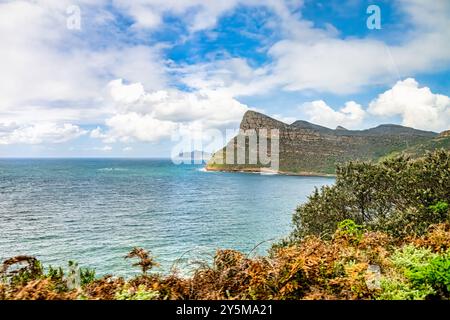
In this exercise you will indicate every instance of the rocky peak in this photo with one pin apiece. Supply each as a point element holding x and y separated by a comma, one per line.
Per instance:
<point>445,133</point>
<point>256,120</point>
<point>313,149</point>
<point>302,124</point>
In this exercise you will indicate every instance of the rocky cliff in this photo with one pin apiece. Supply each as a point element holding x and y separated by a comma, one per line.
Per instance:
<point>306,148</point>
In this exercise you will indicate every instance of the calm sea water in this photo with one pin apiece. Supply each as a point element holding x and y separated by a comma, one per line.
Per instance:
<point>94,211</point>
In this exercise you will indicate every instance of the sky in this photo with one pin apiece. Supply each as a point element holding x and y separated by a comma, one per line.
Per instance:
<point>117,78</point>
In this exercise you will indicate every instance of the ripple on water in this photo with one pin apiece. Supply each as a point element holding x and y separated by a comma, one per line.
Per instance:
<point>80,209</point>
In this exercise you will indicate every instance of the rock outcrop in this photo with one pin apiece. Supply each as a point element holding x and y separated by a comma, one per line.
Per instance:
<point>445,134</point>
<point>306,148</point>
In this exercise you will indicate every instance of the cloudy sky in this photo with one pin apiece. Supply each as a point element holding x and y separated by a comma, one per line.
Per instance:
<point>135,72</point>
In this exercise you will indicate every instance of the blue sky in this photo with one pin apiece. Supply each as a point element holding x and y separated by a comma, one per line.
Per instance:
<point>136,73</point>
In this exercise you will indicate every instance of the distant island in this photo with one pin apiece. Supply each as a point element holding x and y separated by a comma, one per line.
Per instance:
<point>309,149</point>
<point>193,156</point>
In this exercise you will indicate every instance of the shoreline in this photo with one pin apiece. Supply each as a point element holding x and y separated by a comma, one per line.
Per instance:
<point>272,172</point>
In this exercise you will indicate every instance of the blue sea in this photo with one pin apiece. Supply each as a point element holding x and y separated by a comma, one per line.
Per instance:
<point>93,211</point>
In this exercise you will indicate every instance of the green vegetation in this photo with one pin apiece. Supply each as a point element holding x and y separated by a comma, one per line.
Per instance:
<point>354,264</point>
<point>398,196</point>
<point>381,232</point>
<point>309,149</point>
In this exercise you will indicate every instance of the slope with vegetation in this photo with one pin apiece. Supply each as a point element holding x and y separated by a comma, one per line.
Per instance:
<point>306,148</point>
<point>381,232</point>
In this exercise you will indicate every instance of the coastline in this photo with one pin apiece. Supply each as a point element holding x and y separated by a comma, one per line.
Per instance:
<point>272,172</point>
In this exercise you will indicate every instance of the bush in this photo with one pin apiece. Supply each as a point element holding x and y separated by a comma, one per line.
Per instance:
<point>398,196</point>
<point>392,289</point>
<point>141,293</point>
<point>410,257</point>
<point>417,273</point>
<point>353,264</point>
<point>435,274</point>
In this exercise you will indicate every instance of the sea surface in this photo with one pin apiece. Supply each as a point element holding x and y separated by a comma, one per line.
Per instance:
<point>93,211</point>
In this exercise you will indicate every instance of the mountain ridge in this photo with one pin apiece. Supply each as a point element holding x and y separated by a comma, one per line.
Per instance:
<point>310,149</point>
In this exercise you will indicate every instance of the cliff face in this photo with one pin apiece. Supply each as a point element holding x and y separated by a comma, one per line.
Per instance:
<point>306,148</point>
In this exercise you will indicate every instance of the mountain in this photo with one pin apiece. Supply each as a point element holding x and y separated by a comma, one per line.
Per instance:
<point>310,149</point>
<point>195,155</point>
<point>442,141</point>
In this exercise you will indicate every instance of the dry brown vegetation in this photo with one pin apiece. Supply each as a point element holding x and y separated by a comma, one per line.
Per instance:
<point>313,268</point>
<point>381,232</point>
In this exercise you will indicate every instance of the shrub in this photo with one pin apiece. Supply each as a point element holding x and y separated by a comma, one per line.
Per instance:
<point>146,261</point>
<point>21,269</point>
<point>141,293</point>
<point>418,273</point>
<point>350,230</point>
<point>353,264</point>
<point>392,289</point>
<point>398,196</point>
<point>435,274</point>
<point>410,257</point>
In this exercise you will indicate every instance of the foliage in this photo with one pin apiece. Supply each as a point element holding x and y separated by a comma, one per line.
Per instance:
<point>141,293</point>
<point>86,276</point>
<point>398,196</point>
<point>381,232</point>
<point>353,264</point>
<point>440,208</point>
<point>146,261</point>
<point>350,230</point>
<point>409,257</point>
<point>392,289</point>
<point>435,274</point>
<point>13,271</point>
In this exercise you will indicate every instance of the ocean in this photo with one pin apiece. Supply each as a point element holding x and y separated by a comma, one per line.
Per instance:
<point>94,211</point>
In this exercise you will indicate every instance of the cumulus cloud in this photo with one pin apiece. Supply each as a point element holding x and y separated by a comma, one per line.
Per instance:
<point>43,63</point>
<point>418,106</point>
<point>51,76</point>
<point>199,14</point>
<point>232,75</point>
<point>39,133</point>
<point>133,126</point>
<point>331,65</point>
<point>151,116</point>
<point>321,60</point>
<point>350,116</point>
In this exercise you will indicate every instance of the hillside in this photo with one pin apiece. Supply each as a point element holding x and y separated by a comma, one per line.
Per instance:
<point>310,149</point>
<point>442,141</point>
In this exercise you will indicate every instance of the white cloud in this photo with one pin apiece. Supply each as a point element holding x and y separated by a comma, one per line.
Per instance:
<point>103,149</point>
<point>284,119</point>
<point>315,59</point>
<point>201,14</point>
<point>125,94</point>
<point>44,64</point>
<point>39,133</point>
<point>51,76</point>
<point>418,106</point>
<point>133,126</point>
<point>151,116</point>
<point>97,134</point>
<point>331,65</point>
<point>231,75</point>
<point>350,116</point>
